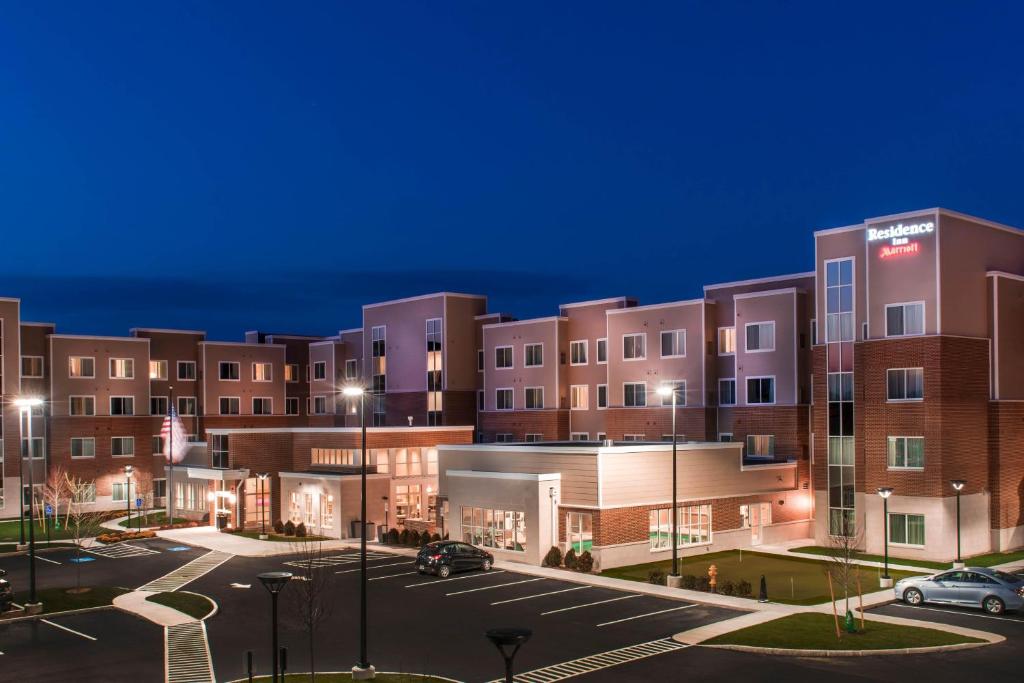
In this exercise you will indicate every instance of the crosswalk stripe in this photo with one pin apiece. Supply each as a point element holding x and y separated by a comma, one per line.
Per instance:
<point>187,573</point>
<point>602,660</point>
<point>120,550</point>
<point>187,654</point>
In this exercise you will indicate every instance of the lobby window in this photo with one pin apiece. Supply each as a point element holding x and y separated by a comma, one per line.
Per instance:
<point>503,399</point>
<point>579,397</point>
<point>187,405</point>
<point>262,406</point>
<point>291,405</point>
<point>219,450</point>
<point>580,531</point>
<point>291,372</point>
<point>727,392</point>
<point>380,460</point>
<point>415,462</point>
<point>187,370</point>
<point>319,405</point>
<point>502,357</point>
<point>906,529</point>
<point>760,446</point>
<point>401,462</point>
<point>158,369</point>
<point>906,452</point>
<point>602,396</point>
<point>351,369</point>
<point>319,370</point>
<point>760,337</point>
<point>679,388</point>
<point>634,346</point>
<point>499,529</point>
<point>431,461</point>
<point>31,366</point>
<point>634,437</point>
<point>122,368</point>
<point>905,384</point>
<point>634,394</point>
<point>534,398</point>
<point>904,320</point>
<point>578,352</point>
<point>122,446</point>
<point>158,405</point>
<point>673,344</point>
<point>228,371</point>
<point>726,341</point>
<point>82,405</point>
<point>533,355</point>
<point>229,405</point>
<point>122,405</point>
<point>81,366</point>
<point>333,456</point>
<point>760,390</point>
<point>262,372</point>
<point>693,527</point>
<point>83,447</point>
<point>602,351</point>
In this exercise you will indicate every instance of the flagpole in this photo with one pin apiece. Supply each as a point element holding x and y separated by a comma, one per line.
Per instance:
<point>170,456</point>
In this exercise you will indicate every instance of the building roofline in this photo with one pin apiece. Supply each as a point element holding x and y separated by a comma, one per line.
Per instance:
<point>164,330</point>
<point>280,335</point>
<point>10,299</point>
<point>759,280</point>
<point>241,343</point>
<point>326,341</point>
<point>510,323</point>
<point>425,296</point>
<point>770,292</point>
<point>336,430</point>
<point>351,330</point>
<point>935,211</point>
<point>592,448</point>
<point>497,314</point>
<point>98,337</point>
<point>1004,274</point>
<point>651,307</point>
<point>29,323</point>
<point>597,302</point>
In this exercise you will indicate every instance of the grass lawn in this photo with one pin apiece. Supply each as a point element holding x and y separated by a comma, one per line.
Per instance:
<point>992,559</point>
<point>796,581</point>
<point>10,531</point>
<point>59,600</point>
<point>818,632</point>
<point>346,678</point>
<point>924,564</point>
<point>153,519</point>
<point>281,538</point>
<point>191,604</point>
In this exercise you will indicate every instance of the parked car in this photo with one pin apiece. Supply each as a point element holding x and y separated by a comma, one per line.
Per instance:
<point>446,557</point>
<point>6,592</point>
<point>990,589</point>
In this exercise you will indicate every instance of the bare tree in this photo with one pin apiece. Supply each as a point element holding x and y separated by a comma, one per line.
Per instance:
<point>83,522</point>
<point>312,583</point>
<point>55,492</point>
<point>842,565</point>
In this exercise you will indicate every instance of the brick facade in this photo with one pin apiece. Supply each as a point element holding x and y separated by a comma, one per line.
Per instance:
<point>553,424</point>
<point>656,422</point>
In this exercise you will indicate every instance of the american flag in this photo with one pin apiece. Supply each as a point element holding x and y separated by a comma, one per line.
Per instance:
<point>172,427</point>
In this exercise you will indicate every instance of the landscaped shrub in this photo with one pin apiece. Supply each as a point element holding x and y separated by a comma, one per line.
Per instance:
<point>424,538</point>
<point>744,589</point>
<point>585,562</point>
<point>393,536</point>
<point>403,537</point>
<point>689,581</point>
<point>414,538</point>
<point>279,527</point>
<point>117,536</point>
<point>446,537</point>
<point>727,587</point>
<point>656,576</point>
<point>703,583</point>
<point>289,528</point>
<point>570,559</point>
<point>435,538</point>
<point>300,530</point>
<point>553,558</point>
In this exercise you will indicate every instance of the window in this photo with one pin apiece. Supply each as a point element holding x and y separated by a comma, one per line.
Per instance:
<point>601,436</point>
<point>38,448</point>
<point>122,405</point>
<point>760,446</point>
<point>602,396</point>
<point>334,456</point>
<point>262,406</point>
<point>634,346</point>
<point>228,371</point>
<point>579,436</point>
<point>291,372</point>
<point>31,366</point>
<point>83,447</point>
<point>81,366</point>
<point>906,452</point>
<point>158,405</point>
<point>693,527</point>
<point>760,337</point>
<point>727,392</point>
<point>532,437</point>
<point>82,405</point>
<point>480,399</point>
<point>906,529</point>
<point>186,405</point>
<point>673,343</point>
<point>219,450</point>
<point>906,384</point>
<point>122,491</point>
<point>502,357</point>
<point>158,369</point>
<point>602,351</point>
<point>533,355</point>
<point>580,531</point>
<point>760,390</point>
<point>291,405</point>
<point>122,368</point>
<point>726,341</point>
<point>351,369</point>
<point>634,394</point>
<point>157,444</point>
<point>380,460</point>
<point>534,398</point>
<point>319,405</point>
<point>814,332</point>
<point>579,397</point>
<point>499,529</point>
<point>431,461</point>
<point>262,372</point>
<point>401,462</point>
<point>578,352</point>
<point>319,370</point>
<point>679,388</point>
<point>229,405</point>
<point>122,446</point>
<point>159,488</point>
<point>480,360</point>
<point>503,399</point>
<point>187,370</point>
<point>725,437</point>
<point>503,437</point>
<point>904,320</point>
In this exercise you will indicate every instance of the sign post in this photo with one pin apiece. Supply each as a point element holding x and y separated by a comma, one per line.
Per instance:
<point>47,514</point>
<point>138,507</point>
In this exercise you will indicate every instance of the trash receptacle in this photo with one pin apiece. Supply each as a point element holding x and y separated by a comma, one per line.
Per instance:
<point>222,520</point>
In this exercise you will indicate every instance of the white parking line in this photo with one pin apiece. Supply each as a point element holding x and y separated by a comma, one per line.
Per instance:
<point>65,628</point>
<point>391,576</point>
<point>649,614</point>
<point>487,588</point>
<point>378,566</point>
<point>966,614</point>
<point>457,578</point>
<point>540,595</point>
<point>589,604</point>
<point>44,559</point>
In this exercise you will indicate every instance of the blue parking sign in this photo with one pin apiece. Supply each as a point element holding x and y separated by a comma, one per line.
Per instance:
<point>49,510</point>
<point>138,502</point>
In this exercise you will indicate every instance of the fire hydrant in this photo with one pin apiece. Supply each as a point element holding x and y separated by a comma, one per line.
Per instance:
<point>713,578</point>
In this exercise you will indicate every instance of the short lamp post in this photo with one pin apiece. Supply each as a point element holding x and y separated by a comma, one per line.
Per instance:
<point>387,505</point>
<point>363,670</point>
<point>128,493</point>
<point>508,641</point>
<point>261,479</point>
<point>25,407</point>
<point>274,582</point>
<point>673,580</point>
<point>885,492</point>
<point>958,486</point>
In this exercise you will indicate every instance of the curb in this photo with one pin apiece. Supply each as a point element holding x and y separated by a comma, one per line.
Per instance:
<point>213,612</point>
<point>432,677</point>
<point>784,652</point>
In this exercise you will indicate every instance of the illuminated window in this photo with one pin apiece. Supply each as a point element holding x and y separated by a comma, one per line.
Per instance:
<point>693,527</point>
<point>579,398</point>
<point>122,368</point>
<point>906,529</point>
<point>726,341</point>
<point>262,372</point>
<point>81,366</point>
<point>498,529</point>
<point>760,446</point>
<point>158,369</point>
<point>291,372</point>
<point>82,405</point>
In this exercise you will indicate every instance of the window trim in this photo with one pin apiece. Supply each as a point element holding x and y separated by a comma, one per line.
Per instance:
<point>526,405</point>
<point>624,394</point>
<point>903,400</point>
<point>186,363</point>
<point>746,390</point>
<point>677,384</point>
<point>130,438</point>
<point>262,398</point>
<point>597,351</point>
<point>597,397</point>
<point>633,334</point>
<point>355,365</point>
<point>904,438</point>
<point>110,369</point>
<point>166,399</point>
<point>586,394</point>
<point>661,342</point>
<point>586,352</point>
<point>110,406</point>
<point>904,304</point>
<point>747,326</point>
<point>92,376</point>
<point>71,449</point>
<point>221,363</point>
<point>888,530</point>
<point>573,436</point>
<point>527,346</point>
<point>315,364</point>
<point>42,367</point>
<point>269,365</point>
<point>166,368</point>
<point>511,356</point>
<point>195,404</point>
<point>481,360</point>
<point>718,340</point>
<point>726,379</point>
<point>291,400</point>
<point>512,392</point>
<point>71,397</point>
<point>219,407</point>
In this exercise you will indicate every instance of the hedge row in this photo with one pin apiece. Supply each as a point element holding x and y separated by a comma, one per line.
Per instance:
<point>584,562</point>
<point>411,538</point>
<point>742,589</point>
<point>117,536</point>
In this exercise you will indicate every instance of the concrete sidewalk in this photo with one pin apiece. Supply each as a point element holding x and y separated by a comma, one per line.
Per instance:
<point>208,537</point>
<point>161,615</point>
<point>784,550</point>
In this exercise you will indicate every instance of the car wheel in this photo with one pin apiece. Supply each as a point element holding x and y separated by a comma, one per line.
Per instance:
<point>993,605</point>
<point>444,571</point>
<point>912,596</point>
<point>486,566</point>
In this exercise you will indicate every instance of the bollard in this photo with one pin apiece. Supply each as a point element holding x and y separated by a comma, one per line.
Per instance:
<point>762,595</point>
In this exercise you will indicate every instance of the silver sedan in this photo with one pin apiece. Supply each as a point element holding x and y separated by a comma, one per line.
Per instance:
<point>990,589</point>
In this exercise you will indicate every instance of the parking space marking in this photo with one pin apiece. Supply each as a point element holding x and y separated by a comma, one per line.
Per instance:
<point>391,576</point>
<point>335,560</point>
<point>649,614</point>
<point>602,660</point>
<point>590,604</point>
<point>487,588</point>
<point>44,559</point>
<point>457,578</point>
<point>540,595</point>
<point>376,566</point>
<point>965,614</point>
<point>69,630</point>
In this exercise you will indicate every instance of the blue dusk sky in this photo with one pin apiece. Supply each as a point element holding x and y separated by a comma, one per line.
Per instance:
<point>274,165</point>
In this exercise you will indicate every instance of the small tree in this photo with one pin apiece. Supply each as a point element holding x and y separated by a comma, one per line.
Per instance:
<point>313,606</point>
<point>841,565</point>
<point>55,492</point>
<point>82,522</point>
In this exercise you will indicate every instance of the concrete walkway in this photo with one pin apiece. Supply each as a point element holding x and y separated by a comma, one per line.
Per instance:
<point>235,544</point>
<point>161,615</point>
<point>783,549</point>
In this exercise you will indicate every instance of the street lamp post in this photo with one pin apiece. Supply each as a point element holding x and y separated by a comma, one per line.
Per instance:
<point>128,492</point>
<point>363,670</point>
<point>885,492</point>
<point>25,406</point>
<point>274,582</point>
<point>508,641</point>
<point>673,580</point>
<point>958,486</point>
<point>262,486</point>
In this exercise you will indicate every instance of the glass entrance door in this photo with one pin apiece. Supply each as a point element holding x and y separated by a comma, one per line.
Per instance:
<point>257,503</point>
<point>760,517</point>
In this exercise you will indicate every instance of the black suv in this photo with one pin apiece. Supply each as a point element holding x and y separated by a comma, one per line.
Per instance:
<point>445,557</point>
<point>6,592</point>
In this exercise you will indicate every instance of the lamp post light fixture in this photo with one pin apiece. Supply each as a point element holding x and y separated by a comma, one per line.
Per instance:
<point>274,582</point>
<point>261,479</point>
<point>363,670</point>
<point>25,406</point>
<point>673,580</point>
<point>508,641</point>
<point>958,486</point>
<point>885,492</point>
<point>128,492</point>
